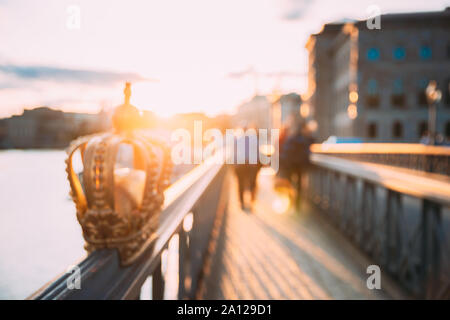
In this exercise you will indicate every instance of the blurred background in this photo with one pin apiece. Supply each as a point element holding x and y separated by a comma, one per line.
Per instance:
<point>63,65</point>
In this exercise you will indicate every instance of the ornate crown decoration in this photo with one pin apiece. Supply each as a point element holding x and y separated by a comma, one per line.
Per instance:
<point>119,206</point>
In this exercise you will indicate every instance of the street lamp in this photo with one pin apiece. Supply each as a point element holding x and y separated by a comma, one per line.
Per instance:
<point>434,95</point>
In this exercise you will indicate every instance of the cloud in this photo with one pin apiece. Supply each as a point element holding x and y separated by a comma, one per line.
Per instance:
<point>32,73</point>
<point>241,74</point>
<point>275,74</point>
<point>69,89</point>
<point>294,9</point>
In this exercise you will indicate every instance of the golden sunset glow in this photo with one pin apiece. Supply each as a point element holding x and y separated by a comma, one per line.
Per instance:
<point>178,57</point>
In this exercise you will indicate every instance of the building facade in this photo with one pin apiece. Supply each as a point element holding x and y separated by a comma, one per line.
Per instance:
<point>370,83</point>
<point>286,110</point>
<point>48,128</point>
<point>255,113</point>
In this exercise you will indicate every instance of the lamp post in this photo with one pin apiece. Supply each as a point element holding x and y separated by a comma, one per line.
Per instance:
<point>434,95</point>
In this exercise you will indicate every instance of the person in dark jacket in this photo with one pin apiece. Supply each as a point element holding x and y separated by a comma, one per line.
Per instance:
<point>247,164</point>
<point>294,158</point>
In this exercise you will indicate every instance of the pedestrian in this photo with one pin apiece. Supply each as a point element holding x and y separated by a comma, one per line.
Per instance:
<point>247,165</point>
<point>294,158</point>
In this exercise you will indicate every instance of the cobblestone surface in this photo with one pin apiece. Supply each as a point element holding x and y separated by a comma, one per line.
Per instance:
<point>265,255</point>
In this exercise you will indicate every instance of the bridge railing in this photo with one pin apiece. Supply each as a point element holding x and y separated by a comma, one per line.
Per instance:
<point>420,157</point>
<point>400,218</point>
<point>189,210</point>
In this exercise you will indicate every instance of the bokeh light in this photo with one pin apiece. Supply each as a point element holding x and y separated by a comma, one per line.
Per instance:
<point>352,111</point>
<point>305,110</point>
<point>282,203</point>
<point>353,96</point>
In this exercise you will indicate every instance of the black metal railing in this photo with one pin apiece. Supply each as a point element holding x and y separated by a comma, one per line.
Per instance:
<point>400,219</point>
<point>435,159</point>
<point>101,275</point>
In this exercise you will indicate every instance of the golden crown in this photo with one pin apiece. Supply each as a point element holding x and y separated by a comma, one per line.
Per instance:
<point>119,193</point>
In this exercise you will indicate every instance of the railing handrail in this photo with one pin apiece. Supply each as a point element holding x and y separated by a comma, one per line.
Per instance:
<point>380,148</point>
<point>101,270</point>
<point>413,184</point>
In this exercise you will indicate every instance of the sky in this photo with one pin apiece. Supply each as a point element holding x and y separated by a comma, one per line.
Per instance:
<point>181,56</point>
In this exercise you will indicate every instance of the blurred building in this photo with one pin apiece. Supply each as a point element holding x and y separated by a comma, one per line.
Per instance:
<point>371,83</point>
<point>286,109</point>
<point>47,128</point>
<point>257,112</point>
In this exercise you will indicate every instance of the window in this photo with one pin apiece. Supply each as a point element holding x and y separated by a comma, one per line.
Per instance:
<point>372,98</point>
<point>422,98</point>
<point>447,130</point>
<point>447,92</point>
<point>373,54</point>
<point>421,95</point>
<point>399,53</point>
<point>372,130</point>
<point>397,130</point>
<point>398,97</point>
<point>373,101</point>
<point>425,52</point>
<point>398,100</point>
<point>372,86</point>
<point>423,128</point>
<point>398,86</point>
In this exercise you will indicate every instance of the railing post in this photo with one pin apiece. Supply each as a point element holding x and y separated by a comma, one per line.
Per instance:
<point>438,243</point>
<point>158,283</point>
<point>425,245</point>
<point>394,216</point>
<point>361,227</point>
<point>368,211</point>
<point>182,255</point>
<point>431,247</point>
<point>337,191</point>
<point>348,213</point>
<point>321,185</point>
<point>327,191</point>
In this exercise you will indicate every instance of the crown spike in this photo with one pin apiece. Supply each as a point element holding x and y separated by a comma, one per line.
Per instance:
<point>127,93</point>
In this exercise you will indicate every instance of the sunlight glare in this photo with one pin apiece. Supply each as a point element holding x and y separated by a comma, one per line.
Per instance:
<point>281,204</point>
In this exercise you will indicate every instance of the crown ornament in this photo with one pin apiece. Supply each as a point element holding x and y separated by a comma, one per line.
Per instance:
<point>119,193</point>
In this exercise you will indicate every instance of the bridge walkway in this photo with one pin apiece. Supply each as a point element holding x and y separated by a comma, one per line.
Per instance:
<point>293,255</point>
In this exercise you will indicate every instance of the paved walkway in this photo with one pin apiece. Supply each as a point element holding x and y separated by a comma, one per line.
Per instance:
<point>265,255</point>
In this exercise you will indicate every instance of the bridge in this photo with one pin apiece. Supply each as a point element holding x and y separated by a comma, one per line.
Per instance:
<point>363,204</point>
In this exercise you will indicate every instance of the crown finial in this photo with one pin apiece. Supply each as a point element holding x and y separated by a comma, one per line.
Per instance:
<point>127,92</point>
<point>126,117</point>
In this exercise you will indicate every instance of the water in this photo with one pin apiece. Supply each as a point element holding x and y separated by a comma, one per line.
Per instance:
<point>39,234</point>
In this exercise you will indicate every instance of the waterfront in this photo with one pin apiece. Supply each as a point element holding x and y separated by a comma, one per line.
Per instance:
<point>40,237</point>
<point>39,234</point>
